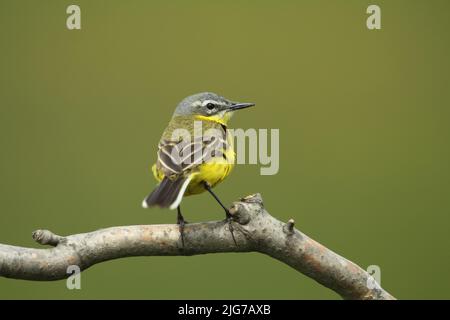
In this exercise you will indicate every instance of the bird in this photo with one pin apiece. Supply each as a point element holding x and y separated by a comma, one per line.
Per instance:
<point>195,153</point>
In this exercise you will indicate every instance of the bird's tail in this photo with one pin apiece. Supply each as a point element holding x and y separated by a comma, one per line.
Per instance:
<point>168,194</point>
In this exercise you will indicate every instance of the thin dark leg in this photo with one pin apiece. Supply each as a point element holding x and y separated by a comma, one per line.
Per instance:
<point>181,223</point>
<point>228,218</point>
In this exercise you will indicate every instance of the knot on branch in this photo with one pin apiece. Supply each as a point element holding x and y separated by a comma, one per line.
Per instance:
<point>46,237</point>
<point>243,211</point>
<point>288,228</point>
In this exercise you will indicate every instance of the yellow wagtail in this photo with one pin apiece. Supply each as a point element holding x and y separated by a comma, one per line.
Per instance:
<point>191,162</point>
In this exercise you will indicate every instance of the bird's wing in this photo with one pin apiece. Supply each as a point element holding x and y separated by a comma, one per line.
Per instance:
<point>178,158</point>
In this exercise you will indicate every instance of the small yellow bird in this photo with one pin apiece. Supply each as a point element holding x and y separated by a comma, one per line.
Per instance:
<point>195,152</point>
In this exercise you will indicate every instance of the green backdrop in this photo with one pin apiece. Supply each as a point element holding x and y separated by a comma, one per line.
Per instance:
<point>363,118</point>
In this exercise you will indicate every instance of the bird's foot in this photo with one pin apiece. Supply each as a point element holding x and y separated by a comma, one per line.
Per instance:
<point>181,223</point>
<point>229,220</point>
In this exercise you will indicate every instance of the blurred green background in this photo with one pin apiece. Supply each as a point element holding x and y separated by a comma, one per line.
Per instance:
<point>363,118</point>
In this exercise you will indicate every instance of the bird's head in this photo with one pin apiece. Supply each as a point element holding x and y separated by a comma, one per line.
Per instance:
<point>209,106</point>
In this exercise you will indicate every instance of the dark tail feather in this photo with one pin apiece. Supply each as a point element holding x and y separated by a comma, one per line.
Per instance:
<point>165,193</point>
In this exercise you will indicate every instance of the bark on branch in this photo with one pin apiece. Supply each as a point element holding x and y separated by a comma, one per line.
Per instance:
<point>254,230</point>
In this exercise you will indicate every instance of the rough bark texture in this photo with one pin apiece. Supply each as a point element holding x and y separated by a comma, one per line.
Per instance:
<point>254,230</point>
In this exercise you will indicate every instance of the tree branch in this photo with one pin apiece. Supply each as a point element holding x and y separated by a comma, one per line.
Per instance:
<point>254,229</point>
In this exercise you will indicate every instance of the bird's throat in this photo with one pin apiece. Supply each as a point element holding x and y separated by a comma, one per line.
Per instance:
<point>221,118</point>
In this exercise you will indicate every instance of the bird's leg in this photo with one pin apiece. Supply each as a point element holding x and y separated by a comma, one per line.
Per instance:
<point>228,218</point>
<point>181,222</point>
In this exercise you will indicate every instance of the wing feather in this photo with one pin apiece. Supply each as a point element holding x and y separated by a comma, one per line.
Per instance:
<point>182,157</point>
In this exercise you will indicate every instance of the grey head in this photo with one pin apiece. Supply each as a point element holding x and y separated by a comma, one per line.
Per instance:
<point>208,104</point>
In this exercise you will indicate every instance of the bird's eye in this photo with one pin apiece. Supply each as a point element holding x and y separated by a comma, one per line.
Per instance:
<point>210,106</point>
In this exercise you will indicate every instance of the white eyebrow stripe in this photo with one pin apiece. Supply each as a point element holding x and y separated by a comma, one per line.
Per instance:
<point>204,103</point>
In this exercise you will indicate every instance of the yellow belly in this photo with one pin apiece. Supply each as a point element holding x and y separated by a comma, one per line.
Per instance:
<point>211,172</point>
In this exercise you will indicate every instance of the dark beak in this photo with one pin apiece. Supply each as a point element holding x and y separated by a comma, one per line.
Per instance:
<point>239,105</point>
